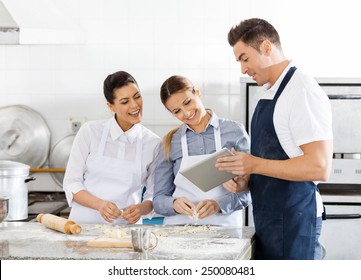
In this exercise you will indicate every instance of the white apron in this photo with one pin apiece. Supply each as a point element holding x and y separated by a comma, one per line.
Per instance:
<point>185,188</point>
<point>111,179</point>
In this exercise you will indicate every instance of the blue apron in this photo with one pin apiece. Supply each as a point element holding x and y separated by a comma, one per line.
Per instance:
<point>284,211</point>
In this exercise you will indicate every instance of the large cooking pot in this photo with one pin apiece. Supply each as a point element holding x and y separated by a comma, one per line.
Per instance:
<point>13,179</point>
<point>59,156</point>
<point>4,207</point>
<point>24,136</point>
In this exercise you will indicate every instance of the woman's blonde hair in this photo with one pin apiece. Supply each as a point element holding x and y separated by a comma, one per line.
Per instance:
<point>167,140</point>
<point>170,86</point>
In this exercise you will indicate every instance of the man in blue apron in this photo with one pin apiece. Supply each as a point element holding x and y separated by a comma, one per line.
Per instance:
<point>291,146</point>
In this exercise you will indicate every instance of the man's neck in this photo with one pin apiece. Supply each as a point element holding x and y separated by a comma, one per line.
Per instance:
<point>277,69</point>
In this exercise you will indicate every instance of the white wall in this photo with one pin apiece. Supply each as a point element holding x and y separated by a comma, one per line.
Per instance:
<point>156,39</point>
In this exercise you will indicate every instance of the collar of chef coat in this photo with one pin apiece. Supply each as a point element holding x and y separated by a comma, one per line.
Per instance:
<point>214,121</point>
<point>116,132</point>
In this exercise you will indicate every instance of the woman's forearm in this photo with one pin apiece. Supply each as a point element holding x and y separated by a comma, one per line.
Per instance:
<point>86,199</point>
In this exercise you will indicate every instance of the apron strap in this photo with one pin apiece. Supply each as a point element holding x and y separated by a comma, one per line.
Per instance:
<point>139,152</point>
<point>184,143</point>
<point>103,140</point>
<point>285,81</point>
<point>217,137</point>
<point>217,140</point>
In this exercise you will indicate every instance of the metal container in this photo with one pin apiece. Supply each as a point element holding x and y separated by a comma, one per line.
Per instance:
<point>13,179</point>
<point>4,207</point>
<point>59,156</point>
<point>24,135</point>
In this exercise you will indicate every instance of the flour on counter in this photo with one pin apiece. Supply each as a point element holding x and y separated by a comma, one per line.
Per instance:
<point>199,248</point>
<point>105,230</point>
<point>115,232</point>
<point>186,230</point>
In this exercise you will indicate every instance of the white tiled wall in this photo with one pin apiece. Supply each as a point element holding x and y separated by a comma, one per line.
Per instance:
<point>156,39</point>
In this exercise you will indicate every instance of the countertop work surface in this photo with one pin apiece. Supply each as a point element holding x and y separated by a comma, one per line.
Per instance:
<point>32,240</point>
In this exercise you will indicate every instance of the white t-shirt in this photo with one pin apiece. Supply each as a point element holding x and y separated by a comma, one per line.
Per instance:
<point>302,115</point>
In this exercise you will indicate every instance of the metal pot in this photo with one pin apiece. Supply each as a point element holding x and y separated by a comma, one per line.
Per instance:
<point>59,156</point>
<point>24,135</point>
<point>13,179</point>
<point>4,207</point>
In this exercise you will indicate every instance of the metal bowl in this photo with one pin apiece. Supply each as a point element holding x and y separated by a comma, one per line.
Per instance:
<point>4,207</point>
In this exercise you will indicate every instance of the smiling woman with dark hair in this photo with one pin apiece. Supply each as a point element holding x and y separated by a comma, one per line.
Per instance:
<point>113,160</point>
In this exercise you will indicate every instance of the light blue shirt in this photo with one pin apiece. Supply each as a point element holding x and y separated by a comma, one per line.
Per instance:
<point>233,135</point>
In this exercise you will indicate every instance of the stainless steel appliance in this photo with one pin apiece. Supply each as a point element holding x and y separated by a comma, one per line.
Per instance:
<point>341,232</point>
<point>13,179</point>
<point>46,202</point>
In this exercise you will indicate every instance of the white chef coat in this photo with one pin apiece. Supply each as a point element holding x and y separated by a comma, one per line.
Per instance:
<point>185,188</point>
<point>112,164</point>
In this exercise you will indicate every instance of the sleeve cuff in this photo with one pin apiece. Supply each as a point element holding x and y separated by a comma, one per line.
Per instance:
<point>234,201</point>
<point>70,190</point>
<point>164,206</point>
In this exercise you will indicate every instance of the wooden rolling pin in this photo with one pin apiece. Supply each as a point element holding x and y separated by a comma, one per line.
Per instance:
<point>59,223</point>
<point>124,242</point>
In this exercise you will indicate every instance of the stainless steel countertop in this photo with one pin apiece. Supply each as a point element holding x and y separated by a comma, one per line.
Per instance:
<point>31,240</point>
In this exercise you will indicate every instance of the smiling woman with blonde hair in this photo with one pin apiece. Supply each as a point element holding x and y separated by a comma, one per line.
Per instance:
<point>112,160</point>
<point>201,133</point>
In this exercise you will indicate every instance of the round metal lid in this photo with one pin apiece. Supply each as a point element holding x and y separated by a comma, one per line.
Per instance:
<point>24,136</point>
<point>11,168</point>
<point>59,156</point>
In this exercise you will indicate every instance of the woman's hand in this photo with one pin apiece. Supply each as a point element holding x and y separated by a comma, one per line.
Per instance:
<point>109,211</point>
<point>237,184</point>
<point>231,185</point>
<point>184,206</point>
<point>207,208</point>
<point>132,214</point>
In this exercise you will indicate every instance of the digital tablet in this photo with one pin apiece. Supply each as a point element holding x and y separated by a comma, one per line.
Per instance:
<point>205,175</point>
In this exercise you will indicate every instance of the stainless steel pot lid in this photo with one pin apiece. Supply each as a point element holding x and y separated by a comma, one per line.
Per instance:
<point>59,156</point>
<point>11,168</point>
<point>24,136</point>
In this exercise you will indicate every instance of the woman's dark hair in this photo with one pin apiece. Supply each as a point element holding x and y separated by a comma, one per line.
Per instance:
<point>253,32</point>
<point>116,80</point>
